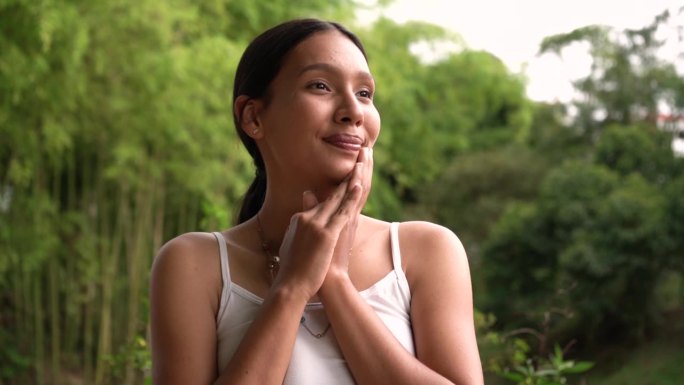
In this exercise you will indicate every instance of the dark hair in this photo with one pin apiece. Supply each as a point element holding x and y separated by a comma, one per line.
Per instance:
<point>258,66</point>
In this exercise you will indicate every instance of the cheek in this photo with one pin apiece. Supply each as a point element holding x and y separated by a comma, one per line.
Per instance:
<point>374,127</point>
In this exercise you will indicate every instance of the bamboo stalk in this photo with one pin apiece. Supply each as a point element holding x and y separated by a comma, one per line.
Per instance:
<point>138,250</point>
<point>27,310</point>
<point>54,289</point>
<point>88,343</point>
<point>55,352</point>
<point>89,200</point>
<point>37,189</point>
<point>39,341</point>
<point>72,295</point>
<point>110,259</point>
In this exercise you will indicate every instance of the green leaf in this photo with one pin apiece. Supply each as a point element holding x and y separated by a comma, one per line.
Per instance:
<point>513,376</point>
<point>579,367</point>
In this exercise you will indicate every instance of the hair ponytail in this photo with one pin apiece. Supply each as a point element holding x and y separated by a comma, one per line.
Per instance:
<point>254,197</point>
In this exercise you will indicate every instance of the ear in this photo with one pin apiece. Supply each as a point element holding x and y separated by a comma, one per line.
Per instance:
<point>247,111</point>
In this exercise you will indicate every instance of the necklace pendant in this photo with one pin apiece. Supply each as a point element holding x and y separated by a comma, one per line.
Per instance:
<point>272,267</point>
<point>302,321</point>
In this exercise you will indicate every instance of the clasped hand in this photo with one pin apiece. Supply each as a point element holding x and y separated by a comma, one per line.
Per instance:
<point>319,239</point>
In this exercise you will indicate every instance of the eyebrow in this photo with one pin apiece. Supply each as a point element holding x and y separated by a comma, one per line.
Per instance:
<point>331,68</point>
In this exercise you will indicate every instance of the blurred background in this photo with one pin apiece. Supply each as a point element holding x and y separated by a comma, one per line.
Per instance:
<point>549,137</point>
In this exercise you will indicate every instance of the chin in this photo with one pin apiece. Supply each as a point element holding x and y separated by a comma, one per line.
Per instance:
<point>334,178</point>
<point>343,171</point>
<point>332,171</point>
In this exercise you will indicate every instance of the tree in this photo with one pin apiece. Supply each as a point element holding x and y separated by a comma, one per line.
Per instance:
<point>464,101</point>
<point>590,247</point>
<point>476,188</point>
<point>627,81</point>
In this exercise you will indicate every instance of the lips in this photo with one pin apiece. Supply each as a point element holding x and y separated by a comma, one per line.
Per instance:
<point>345,141</point>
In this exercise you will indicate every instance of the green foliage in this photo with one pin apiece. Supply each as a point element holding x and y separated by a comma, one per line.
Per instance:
<point>475,188</point>
<point>550,371</point>
<point>473,93</point>
<point>510,356</point>
<point>137,354</point>
<point>497,351</point>
<point>674,212</point>
<point>552,138</point>
<point>592,244</point>
<point>655,362</point>
<point>633,149</point>
<point>439,109</point>
<point>13,363</point>
<point>628,80</point>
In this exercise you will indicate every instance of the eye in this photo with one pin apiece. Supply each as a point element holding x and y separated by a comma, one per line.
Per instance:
<point>366,94</point>
<point>319,85</point>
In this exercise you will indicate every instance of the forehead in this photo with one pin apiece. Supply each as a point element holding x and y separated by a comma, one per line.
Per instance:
<point>331,47</point>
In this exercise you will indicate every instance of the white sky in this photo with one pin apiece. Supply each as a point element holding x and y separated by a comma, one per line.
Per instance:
<point>513,30</point>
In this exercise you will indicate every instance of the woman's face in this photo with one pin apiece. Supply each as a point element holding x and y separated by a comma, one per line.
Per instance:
<point>320,110</point>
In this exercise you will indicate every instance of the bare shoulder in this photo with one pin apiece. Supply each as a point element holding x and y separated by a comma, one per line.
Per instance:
<point>429,239</point>
<point>427,247</point>
<point>185,292</point>
<point>187,244</point>
<point>189,259</point>
<point>426,231</point>
<point>188,249</point>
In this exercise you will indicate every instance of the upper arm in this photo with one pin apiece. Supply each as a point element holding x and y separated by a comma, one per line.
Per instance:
<point>441,302</point>
<point>183,304</point>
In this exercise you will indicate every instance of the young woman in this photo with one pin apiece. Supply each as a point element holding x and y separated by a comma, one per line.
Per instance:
<point>305,289</point>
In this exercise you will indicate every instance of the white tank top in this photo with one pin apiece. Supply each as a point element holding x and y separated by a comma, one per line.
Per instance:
<point>314,360</point>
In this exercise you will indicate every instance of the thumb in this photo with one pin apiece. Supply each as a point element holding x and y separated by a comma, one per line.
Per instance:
<point>309,200</point>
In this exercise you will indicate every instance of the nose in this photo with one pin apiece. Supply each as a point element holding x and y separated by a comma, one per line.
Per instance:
<point>349,111</point>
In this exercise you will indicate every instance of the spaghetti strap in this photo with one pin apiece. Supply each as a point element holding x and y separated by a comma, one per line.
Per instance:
<point>396,259</point>
<point>225,273</point>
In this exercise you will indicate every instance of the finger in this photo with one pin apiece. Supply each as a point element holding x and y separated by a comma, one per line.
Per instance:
<point>309,200</point>
<point>368,172</point>
<point>347,209</point>
<point>356,176</point>
<point>362,155</point>
<point>365,175</point>
<point>328,206</point>
<point>367,168</point>
<point>367,157</point>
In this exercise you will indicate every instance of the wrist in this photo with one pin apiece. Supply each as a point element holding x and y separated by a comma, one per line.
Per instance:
<point>335,281</point>
<point>290,293</point>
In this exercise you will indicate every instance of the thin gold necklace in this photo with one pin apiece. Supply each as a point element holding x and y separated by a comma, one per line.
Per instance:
<point>272,260</point>
<point>273,266</point>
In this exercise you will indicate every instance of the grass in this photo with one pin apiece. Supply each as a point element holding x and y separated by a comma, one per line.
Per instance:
<point>657,362</point>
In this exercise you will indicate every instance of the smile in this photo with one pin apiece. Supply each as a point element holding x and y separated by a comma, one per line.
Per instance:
<point>345,142</point>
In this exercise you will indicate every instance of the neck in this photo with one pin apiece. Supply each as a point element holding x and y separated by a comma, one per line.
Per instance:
<point>282,201</point>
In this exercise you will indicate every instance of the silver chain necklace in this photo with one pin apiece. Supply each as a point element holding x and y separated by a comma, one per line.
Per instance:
<point>273,266</point>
